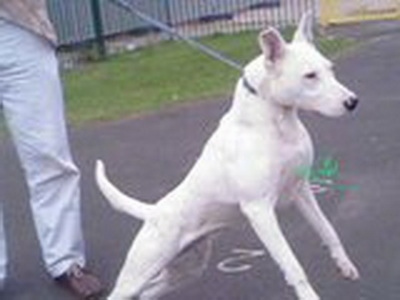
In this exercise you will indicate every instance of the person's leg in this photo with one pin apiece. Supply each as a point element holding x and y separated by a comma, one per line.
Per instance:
<point>3,250</point>
<point>4,56</point>
<point>33,106</point>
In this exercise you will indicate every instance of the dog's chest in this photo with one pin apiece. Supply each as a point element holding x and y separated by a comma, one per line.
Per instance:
<point>294,158</point>
<point>255,160</point>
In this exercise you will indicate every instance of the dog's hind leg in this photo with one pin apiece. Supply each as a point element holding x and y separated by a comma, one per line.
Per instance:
<point>156,245</point>
<point>309,207</point>
<point>187,267</point>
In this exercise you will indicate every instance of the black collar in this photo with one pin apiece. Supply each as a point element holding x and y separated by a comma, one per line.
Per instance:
<point>248,85</point>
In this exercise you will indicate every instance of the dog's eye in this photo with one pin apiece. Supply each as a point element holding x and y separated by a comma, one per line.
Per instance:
<point>311,75</point>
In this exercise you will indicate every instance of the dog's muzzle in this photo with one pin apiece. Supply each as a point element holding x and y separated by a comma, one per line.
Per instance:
<point>351,104</point>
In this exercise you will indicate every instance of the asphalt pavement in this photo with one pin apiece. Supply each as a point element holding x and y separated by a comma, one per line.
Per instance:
<point>146,156</point>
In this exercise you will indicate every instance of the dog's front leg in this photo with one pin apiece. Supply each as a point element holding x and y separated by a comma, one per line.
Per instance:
<point>309,207</point>
<point>262,217</point>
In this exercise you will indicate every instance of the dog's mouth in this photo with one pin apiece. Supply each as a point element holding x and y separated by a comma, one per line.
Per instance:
<point>339,110</point>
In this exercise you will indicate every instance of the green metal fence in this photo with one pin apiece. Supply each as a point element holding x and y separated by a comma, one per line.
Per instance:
<point>101,21</point>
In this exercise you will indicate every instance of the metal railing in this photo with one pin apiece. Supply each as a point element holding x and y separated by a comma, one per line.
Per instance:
<point>102,23</point>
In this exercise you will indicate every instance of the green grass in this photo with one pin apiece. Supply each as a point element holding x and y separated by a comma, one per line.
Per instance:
<point>160,76</point>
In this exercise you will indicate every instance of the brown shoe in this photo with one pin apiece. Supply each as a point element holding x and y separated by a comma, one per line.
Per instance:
<point>81,282</point>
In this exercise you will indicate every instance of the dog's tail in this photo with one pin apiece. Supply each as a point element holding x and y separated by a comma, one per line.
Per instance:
<point>118,200</point>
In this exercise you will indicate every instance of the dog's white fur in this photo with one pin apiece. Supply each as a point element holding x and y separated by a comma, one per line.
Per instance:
<point>248,165</point>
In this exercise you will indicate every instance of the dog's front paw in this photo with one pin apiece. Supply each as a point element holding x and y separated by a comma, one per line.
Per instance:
<point>345,266</point>
<point>347,269</point>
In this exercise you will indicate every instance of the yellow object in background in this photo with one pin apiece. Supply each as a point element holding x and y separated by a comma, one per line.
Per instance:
<point>345,11</point>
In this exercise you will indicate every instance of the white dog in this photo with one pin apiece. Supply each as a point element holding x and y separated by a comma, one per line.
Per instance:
<point>247,167</point>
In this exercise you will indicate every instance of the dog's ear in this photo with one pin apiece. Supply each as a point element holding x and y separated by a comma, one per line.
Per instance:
<point>304,32</point>
<point>272,45</point>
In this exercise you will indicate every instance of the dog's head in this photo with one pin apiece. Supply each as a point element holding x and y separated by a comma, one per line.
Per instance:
<point>299,76</point>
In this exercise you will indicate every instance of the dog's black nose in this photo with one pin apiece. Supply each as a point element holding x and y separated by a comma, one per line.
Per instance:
<point>351,104</point>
